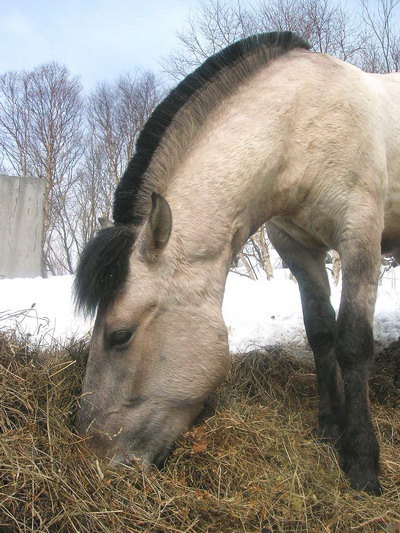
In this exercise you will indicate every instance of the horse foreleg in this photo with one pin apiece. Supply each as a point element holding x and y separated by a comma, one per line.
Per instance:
<point>308,265</point>
<point>354,348</point>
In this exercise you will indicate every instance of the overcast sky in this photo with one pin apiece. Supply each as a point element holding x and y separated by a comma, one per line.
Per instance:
<point>96,39</point>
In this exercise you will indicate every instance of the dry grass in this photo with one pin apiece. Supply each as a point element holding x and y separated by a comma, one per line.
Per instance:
<point>250,465</point>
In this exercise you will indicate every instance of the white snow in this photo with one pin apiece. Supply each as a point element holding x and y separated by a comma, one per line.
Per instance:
<point>257,313</point>
<point>42,308</point>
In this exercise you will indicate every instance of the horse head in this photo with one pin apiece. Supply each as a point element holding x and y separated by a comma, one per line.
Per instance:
<point>159,345</point>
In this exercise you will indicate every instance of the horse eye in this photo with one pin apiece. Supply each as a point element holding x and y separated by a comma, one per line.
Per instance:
<point>119,338</point>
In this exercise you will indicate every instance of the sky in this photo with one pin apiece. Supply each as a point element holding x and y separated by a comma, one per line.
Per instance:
<point>98,40</point>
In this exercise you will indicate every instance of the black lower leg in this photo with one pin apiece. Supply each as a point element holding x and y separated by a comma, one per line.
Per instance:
<point>319,320</point>
<point>308,265</point>
<point>354,348</point>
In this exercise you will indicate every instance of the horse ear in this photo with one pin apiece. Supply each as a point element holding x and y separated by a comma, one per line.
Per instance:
<point>104,222</point>
<point>158,227</point>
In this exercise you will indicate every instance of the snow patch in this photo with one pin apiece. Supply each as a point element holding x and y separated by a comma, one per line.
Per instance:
<point>257,313</point>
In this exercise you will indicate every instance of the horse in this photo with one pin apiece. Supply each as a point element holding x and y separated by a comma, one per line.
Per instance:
<point>265,131</point>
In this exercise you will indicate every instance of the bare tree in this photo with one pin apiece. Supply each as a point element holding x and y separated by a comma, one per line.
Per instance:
<point>138,96</point>
<point>382,54</point>
<point>260,246</point>
<point>255,256</point>
<point>218,23</point>
<point>56,122</point>
<point>116,114</point>
<point>14,122</point>
<point>92,195</point>
<point>41,137</point>
<point>327,26</point>
<point>46,133</point>
<point>102,114</point>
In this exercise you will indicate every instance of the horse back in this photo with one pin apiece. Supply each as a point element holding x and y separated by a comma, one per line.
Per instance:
<point>342,146</point>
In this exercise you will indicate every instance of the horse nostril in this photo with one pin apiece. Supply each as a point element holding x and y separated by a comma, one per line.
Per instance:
<point>161,458</point>
<point>99,443</point>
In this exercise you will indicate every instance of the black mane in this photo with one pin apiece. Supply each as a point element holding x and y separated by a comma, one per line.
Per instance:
<point>164,113</point>
<point>104,263</point>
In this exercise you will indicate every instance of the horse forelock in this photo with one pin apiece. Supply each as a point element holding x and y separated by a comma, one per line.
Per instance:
<point>103,268</point>
<point>274,44</point>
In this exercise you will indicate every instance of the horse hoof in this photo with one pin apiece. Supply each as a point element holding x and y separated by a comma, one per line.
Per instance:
<point>372,487</point>
<point>329,433</point>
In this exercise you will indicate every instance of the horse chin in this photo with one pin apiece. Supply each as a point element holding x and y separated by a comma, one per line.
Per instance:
<point>145,461</point>
<point>142,436</point>
<point>120,460</point>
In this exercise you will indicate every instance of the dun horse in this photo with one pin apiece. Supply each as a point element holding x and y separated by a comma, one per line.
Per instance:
<point>265,130</point>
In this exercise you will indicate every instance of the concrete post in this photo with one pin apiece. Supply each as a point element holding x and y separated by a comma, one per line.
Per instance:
<point>21,226</point>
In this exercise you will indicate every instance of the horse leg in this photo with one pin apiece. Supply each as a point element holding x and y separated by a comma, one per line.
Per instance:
<point>308,265</point>
<point>354,347</point>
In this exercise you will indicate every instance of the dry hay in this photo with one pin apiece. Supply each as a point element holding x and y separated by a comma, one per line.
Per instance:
<point>250,465</point>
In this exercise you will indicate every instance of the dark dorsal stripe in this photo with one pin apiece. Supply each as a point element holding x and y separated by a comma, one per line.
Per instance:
<point>152,133</point>
<point>104,264</point>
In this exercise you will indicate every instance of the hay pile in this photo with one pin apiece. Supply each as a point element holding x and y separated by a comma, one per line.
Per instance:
<point>250,465</point>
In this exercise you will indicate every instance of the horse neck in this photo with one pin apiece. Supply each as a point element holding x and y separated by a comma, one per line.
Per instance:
<point>208,230</point>
<point>214,207</point>
<point>211,223</point>
<point>215,178</point>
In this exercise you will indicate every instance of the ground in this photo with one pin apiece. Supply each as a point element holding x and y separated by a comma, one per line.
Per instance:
<point>250,464</point>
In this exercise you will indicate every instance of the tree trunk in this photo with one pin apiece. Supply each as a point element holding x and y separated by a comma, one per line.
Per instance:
<point>247,265</point>
<point>261,241</point>
<point>336,266</point>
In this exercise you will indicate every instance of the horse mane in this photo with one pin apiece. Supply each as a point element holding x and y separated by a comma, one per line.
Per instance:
<point>104,263</point>
<point>126,194</point>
